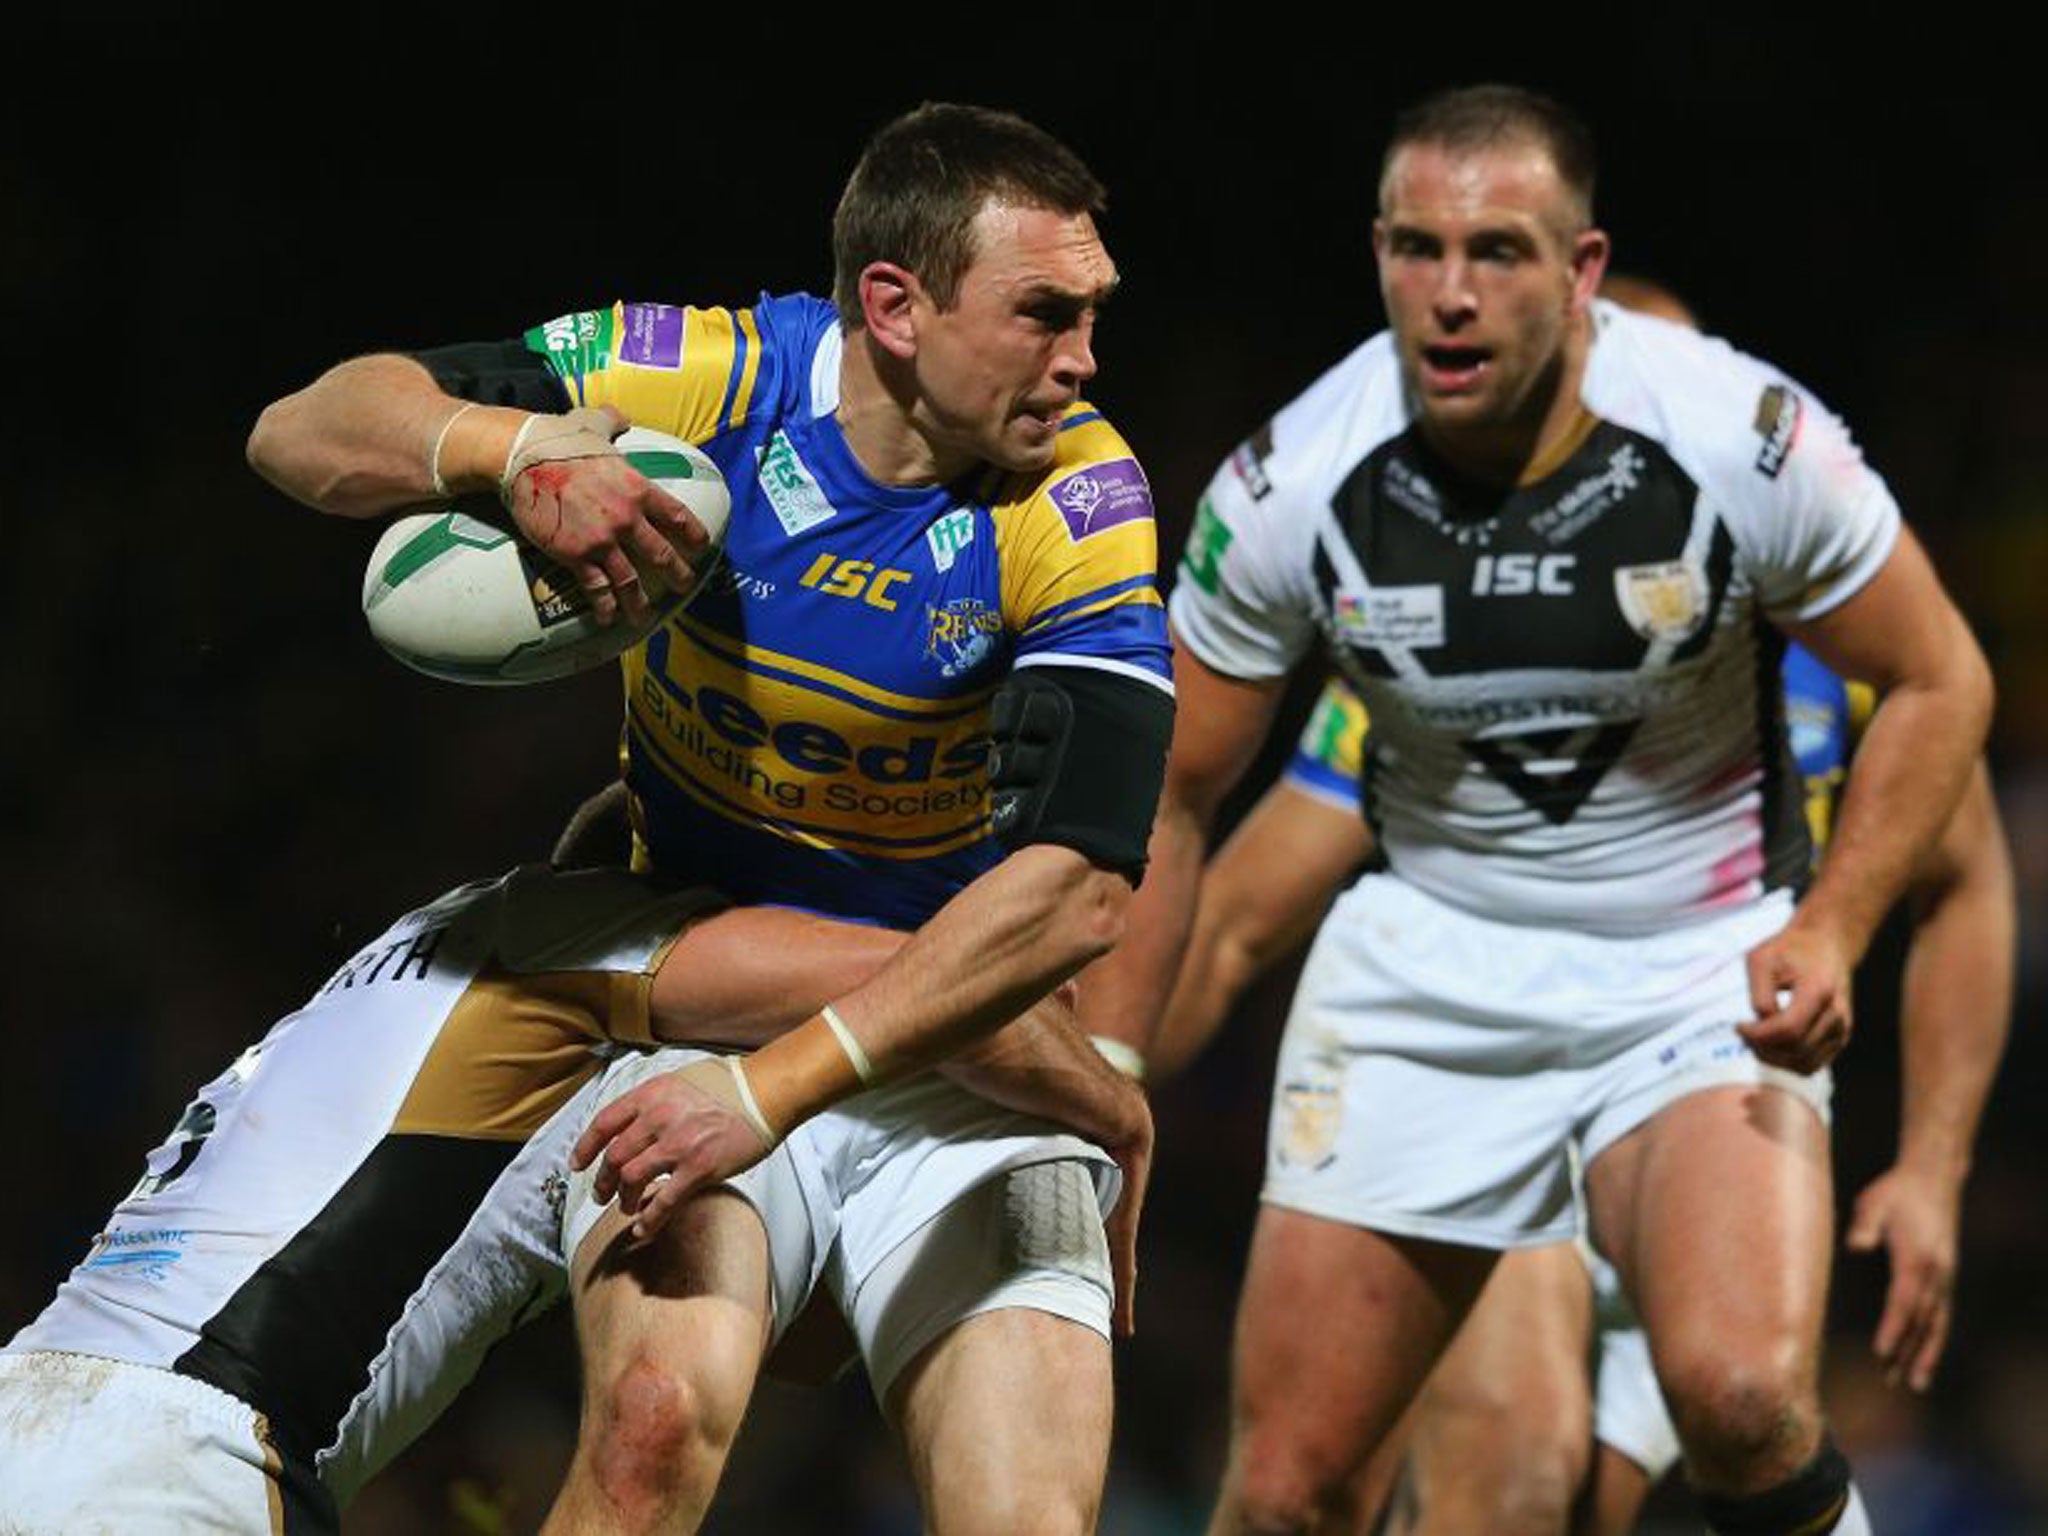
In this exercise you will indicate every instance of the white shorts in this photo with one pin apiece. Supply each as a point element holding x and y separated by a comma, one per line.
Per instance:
<point>1628,1407</point>
<point>784,1188</point>
<point>1437,1065</point>
<point>104,1445</point>
<point>873,1198</point>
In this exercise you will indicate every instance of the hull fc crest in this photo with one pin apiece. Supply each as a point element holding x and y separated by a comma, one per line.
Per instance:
<point>1664,600</point>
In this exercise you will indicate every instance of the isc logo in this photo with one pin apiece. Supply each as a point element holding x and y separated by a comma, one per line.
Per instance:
<point>1519,575</point>
<point>854,579</point>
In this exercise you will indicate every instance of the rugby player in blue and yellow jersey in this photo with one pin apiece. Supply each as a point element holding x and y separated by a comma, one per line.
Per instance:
<point>929,691</point>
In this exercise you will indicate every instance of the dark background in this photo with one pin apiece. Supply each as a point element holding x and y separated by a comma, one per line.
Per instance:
<point>215,785</point>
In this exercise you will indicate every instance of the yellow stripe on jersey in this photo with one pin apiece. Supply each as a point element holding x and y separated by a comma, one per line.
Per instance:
<point>1050,555</point>
<point>743,393</point>
<point>698,397</point>
<point>819,757</point>
<point>760,657</point>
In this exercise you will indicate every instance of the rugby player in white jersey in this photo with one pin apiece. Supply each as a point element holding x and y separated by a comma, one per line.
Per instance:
<point>1504,1436</point>
<point>342,1224</point>
<point>1554,545</point>
<point>968,278</point>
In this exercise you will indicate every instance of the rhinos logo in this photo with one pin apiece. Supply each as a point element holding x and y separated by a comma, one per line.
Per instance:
<point>962,635</point>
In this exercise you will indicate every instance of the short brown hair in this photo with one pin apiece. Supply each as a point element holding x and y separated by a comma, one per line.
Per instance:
<point>921,181</point>
<point>1472,118</point>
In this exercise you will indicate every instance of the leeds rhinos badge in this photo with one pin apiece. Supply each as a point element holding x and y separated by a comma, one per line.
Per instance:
<point>1664,600</point>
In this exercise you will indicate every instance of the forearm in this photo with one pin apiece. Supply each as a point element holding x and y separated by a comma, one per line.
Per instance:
<point>749,974</point>
<point>1124,998</point>
<point>359,440</point>
<point>1041,1064</point>
<point>1908,775</point>
<point>1956,999</point>
<point>987,955</point>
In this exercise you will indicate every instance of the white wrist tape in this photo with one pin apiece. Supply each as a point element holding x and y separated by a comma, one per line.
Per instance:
<point>862,1067</point>
<point>512,457</point>
<point>749,1105</point>
<point>441,441</point>
<point>1124,1058</point>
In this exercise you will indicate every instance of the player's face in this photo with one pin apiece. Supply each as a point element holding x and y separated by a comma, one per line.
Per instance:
<point>1483,269</point>
<point>997,369</point>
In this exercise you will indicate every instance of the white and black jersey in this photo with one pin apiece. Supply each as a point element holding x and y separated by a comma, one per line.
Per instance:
<point>1573,686</point>
<point>343,1222</point>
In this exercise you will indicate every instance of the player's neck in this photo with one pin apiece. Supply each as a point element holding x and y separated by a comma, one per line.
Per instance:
<point>878,414</point>
<point>1536,439</point>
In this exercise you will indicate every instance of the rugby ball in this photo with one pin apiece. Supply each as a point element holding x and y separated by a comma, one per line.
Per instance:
<point>461,599</point>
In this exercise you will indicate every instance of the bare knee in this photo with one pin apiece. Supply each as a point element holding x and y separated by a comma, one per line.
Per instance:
<point>1280,1484</point>
<point>1746,1419</point>
<point>655,1442</point>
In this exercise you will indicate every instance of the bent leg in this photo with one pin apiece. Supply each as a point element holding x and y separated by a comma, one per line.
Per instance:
<point>1718,1212</point>
<point>671,1333</point>
<point>1337,1328</point>
<point>1504,1426</point>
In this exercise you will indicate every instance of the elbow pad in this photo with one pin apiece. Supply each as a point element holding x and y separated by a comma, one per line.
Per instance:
<point>496,373</point>
<point>1077,757</point>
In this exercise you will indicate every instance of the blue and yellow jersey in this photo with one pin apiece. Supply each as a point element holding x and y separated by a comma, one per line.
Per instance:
<point>1825,714</point>
<point>813,731</point>
<point>1331,752</point>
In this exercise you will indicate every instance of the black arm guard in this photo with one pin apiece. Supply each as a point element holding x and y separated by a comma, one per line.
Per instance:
<point>496,373</point>
<point>1078,759</point>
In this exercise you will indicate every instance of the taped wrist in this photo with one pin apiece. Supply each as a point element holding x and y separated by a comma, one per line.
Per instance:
<point>583,433</point>
<point>1077,757</point>
<point>809,1069</point>
<point>1811,1501</point>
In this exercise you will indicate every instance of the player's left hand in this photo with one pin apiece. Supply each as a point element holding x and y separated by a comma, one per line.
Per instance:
<point>1133,1154</point>
<point>666,1139</point>
<point>1915,1215</point>
<point>1799,984</point>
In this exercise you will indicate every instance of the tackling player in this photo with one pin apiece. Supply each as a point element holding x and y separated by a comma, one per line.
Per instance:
<point>1555,546</point>
<point>343,1223</point>
<point>937,554</point>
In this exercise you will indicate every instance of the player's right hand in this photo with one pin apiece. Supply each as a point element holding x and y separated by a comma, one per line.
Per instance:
<point>573,496</point>
<point>668,1138</point>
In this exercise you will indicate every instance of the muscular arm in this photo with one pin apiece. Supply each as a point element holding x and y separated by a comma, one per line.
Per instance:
<point>1260,899</point>
<point>361,440</point>
<point>1217,731</point>
<point>748,975</point>
<point>1954,1015</point>
<point>1903,635</point>
<point>358,441</point>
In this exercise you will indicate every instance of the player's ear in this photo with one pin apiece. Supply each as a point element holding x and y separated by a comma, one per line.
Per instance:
<point>888,302</point>
<point>1590,250</point>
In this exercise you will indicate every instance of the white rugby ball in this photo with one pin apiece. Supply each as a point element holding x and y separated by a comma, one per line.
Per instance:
<point>459,599</point>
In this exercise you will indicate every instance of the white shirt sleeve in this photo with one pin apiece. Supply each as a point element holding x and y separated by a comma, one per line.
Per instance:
<point>1236,601</point>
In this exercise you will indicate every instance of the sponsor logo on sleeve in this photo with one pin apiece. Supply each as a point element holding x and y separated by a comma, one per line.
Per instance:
<point>1778,415</point>
<point>948,536</point>
<point>1663,600</point>
<point>575,344</point>
<point>1391,616</point>
<point>1202,562</point>
<point>1101,496</point>
<point>654,336</point>
<point>798,500</point>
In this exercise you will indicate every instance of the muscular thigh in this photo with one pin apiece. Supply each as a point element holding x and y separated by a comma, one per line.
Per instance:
<point>987,1334</point>
<point>1718,1213</point>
